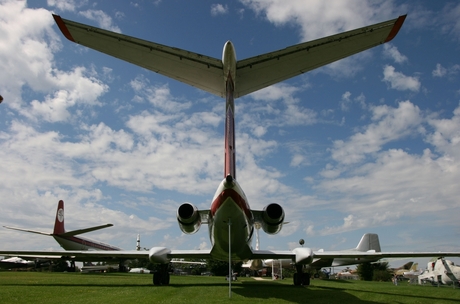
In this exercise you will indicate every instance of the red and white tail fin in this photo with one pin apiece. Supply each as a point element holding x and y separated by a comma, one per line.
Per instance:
<point>59,222</point>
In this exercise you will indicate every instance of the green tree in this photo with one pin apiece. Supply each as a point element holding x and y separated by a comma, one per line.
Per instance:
<point>365,271</point>
<point>374,272</point>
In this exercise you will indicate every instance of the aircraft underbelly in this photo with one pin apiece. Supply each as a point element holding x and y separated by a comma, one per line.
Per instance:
<point>240,232</point>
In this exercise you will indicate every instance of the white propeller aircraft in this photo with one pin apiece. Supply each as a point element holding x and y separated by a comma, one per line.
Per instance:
<point>230,220</point>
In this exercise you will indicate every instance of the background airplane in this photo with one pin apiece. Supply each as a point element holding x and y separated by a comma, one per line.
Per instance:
<point>68,239</point>
<point>412,273</point>
<point>440,271</point>
<point>16,262</point>
<point>368,242</point>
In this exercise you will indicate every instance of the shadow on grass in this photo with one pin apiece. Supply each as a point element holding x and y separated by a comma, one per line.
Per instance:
<point>295,294</point>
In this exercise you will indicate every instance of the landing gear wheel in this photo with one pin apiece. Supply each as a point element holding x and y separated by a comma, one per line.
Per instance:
<point>306,279</point>
<point>161,277</point>
<point>165,279</point>
<point>296,279</point>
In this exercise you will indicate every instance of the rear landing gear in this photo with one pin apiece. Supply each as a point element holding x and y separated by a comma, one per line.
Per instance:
<point>161,276</point>
<point>301,278</point>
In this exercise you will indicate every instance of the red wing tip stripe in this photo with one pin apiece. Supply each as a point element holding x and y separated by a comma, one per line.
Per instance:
<point>65,31</point>
<point>397,26</point>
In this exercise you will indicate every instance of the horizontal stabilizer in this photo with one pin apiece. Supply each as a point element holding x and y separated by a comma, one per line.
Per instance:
<point>27,230</point>
<point>81,231</point>
<point>252,74</point>
<point>264,70</point>
<point>197,70</point>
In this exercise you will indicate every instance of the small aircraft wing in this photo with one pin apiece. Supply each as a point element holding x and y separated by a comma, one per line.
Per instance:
<point>69,233</point>
<point>27,230</point>
<point>85,230</point>
<point>264,70</point>
<point>194,69</point>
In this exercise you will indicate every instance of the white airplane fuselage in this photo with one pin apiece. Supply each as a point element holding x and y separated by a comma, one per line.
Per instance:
<point>230,209</point>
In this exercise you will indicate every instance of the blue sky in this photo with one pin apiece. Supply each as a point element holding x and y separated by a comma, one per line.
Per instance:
<point>367,144</point>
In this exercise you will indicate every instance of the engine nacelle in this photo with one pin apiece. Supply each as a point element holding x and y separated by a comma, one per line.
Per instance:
<point>189,218</point>
<point>272,218</point>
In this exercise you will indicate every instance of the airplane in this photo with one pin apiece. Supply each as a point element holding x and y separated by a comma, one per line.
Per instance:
<point>440,271</point>
<point>368,242</point>
<point>68,239</point>
<point>404,268</point>
<point>16,262</point>
<point>230,219</point>
<point>413,273</point>
<point>348,274</point>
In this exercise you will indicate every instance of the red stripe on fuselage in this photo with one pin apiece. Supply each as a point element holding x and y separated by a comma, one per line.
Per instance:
<point>230,193</point>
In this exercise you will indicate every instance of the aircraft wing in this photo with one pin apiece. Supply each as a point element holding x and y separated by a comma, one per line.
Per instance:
<point>109,255</point>
<point>85,230</point>
<point>305,255</point>
<point>27,230</point>
<point>381,255</point>
<point>264,70</point>
<point>194,69</point>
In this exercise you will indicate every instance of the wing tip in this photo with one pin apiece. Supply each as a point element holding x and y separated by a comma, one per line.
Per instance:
<point>61,24</point>
<point>396,27</point>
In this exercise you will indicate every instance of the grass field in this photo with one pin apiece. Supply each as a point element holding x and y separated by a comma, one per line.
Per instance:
<point>40,287</point>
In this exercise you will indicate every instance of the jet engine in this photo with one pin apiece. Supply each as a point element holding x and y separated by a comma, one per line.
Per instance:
<point>189,218</point>
<point>272,218</point>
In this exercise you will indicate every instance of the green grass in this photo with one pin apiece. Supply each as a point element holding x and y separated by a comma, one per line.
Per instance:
<point>40,287</point>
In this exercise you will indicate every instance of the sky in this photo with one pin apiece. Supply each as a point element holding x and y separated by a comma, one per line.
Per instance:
<point>370,143</point>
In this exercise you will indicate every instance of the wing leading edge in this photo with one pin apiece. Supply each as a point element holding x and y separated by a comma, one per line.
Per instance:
<point>252,74</point>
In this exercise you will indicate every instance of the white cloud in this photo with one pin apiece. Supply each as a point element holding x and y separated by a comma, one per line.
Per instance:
<point>388,125</point>
<point>219,9</point>
<point>441,71</point>
<point>104,21</point>
<point>320,18</point>
<point>446,136</point>
<point>392,52</point>
<point>66,5</point>
<point>399,81</point>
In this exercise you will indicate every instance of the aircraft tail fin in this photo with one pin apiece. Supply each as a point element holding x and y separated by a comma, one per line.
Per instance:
<point>59,224</point>
<point>414,267</point>
<point>408,265</point>
<point>369,241</point>
<point>59,221</point>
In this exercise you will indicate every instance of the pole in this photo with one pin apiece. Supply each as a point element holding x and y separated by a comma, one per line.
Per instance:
<point>230,276</point>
